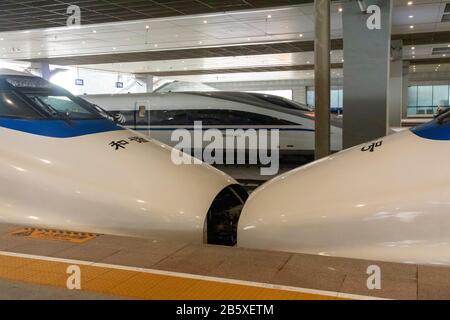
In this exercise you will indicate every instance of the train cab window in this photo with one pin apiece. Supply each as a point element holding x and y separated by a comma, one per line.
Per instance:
<point>62,106</point>
<point>13,106</point>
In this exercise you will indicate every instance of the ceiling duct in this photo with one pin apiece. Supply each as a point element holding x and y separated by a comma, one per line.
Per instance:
<point>440,51</point>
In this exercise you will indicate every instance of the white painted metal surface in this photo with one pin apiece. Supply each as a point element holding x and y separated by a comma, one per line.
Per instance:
<point>84,184</point>
<point>391,204</point>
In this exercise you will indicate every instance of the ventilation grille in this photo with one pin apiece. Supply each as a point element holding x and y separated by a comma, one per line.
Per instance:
<point>440,51</point>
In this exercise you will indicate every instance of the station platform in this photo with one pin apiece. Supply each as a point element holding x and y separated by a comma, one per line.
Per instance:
<point>415,121</point>
<point>34,265</point>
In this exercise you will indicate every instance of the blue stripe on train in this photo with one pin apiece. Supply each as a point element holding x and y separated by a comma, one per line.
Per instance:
<point>433,130</point>
<point>60,128</point>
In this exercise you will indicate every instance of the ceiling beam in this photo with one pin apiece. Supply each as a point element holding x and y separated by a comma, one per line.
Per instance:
<point>429,61</point>
<point>303,67</point>
<point>428,38</point>
<point>425,38</point>
<point>214,52</point>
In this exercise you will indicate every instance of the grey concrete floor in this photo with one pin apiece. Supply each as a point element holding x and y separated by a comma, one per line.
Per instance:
<point>342,275</point>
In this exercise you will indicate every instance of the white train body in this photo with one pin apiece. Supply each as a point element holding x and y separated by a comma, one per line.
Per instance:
<point>158,114</point>
<point>90,175</point>
<point>64,165</point>
<point>385,200</point>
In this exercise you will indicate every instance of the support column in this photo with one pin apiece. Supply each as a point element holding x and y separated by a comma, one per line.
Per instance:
<point>366,69</point>
<point>42,69</point>
<point>396,84</point>
<point>322,78</point>
<point>405,85</point>
<point>299,94</point>
<point>147,82</point>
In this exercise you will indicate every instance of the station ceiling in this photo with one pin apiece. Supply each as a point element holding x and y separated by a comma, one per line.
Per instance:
<point>180,37</point>
<point>34,14</point>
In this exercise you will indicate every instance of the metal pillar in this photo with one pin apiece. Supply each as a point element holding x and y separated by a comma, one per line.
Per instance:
<point>146,80</point>
<point>396,84</point>
<point>367,44</point>
<point>42,69</point>
<point>405,84</point>
<point>149,83</point>
<point>322,78</point>
<point>299,94</point>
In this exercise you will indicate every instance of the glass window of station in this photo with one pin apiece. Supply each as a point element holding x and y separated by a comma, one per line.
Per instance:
<point>424,100</point>
<point>336,99</point>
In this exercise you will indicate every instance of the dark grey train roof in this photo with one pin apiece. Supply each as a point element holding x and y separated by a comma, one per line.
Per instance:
<point>183,86</point>
<point>266,101</point>
<point>10,72</point>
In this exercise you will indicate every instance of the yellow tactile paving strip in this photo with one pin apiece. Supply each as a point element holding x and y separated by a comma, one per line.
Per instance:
<point>139,284</point>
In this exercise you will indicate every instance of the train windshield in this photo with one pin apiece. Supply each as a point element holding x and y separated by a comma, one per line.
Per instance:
<point>13,106</point>
<point>59,105</point>
<point>35,98</point>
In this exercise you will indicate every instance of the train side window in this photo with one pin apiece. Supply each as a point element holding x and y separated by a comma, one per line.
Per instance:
<point>255,119</point>
<point>168,118</point>
<point>208,117</point>
<point>13,106</point>
<point>213,117</point>
<point>218,117</point>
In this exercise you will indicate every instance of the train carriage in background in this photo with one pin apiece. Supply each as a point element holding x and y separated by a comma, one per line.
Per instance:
<point>158,114</point>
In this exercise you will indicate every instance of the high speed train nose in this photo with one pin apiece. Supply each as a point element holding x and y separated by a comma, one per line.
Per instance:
<point>101,177</point>
<point>159,198</point>
<point>364,202</point>
<point>115,182</point>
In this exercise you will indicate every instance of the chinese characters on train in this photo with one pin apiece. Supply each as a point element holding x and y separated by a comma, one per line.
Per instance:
<point>371,147</point>
<point>121,144</point>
